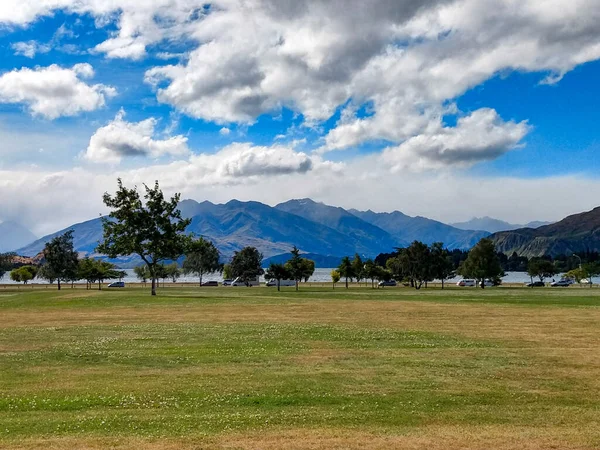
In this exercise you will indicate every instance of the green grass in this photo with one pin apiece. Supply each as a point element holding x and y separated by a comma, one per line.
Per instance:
<point>214,364</point>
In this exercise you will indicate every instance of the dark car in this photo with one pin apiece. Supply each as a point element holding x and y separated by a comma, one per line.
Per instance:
<point>210,284</point>
<point>117,284</point>
<point>387,283</point>
<point>536,284</point>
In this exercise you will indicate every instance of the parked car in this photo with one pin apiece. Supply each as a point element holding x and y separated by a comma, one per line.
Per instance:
<point>239,282</point>
<point>117,284</point>
<point>227,282</point>
<point>273,282</point>
<point>210,284</point>
<point>586,281</point>
<point>466,282</point>
<point>536,284</point>
<point>487,283</point>
<point>561,283</point>
<point>387,283</point>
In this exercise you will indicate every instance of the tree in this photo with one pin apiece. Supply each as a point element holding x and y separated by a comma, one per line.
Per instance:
<point>142,273</point>
<point>335,277</point>
<point>591,269</point>
<point>45,273</point>
<point>227,272</point>
<point>96,271</point>
<point>358,267</point>
<point>541,268</point>
<point>173,271</point>
<point>308,269</point>
<point>396,268</point>
<point>442,266</point>
<point>277,272</point>
<point>152,229</point>
<point>482,263</point>
<point>202,257</point>
<point>345,269</point>
<point>294,266</point>
<point>382,274</point>
<point>246,264</point>
<point>61,258</point>
<point>6,263</point>
<point>23,274</point>
<point>370,271</point>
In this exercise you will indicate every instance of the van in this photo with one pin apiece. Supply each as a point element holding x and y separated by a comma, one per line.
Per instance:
<point>273,282</point>
<point>239,282</point>
<point>466,282</point>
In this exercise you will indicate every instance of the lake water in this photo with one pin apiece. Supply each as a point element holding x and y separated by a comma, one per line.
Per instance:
<point>320,275</point>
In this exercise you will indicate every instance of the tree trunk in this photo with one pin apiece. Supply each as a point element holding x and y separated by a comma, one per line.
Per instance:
<point>278,285</point>
<point>59,284</point>
<point>346,282</point>
<point>99,285</point>
<point>296,285</point>
<point>200,279</point>
<point>442,284</point>
<point>153,285</point>
<point>483,284</point>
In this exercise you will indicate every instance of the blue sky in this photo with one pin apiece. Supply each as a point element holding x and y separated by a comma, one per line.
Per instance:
<point>415,106</point>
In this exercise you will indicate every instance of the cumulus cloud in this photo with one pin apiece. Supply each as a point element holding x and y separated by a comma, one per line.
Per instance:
<point>54,91</point>
<point>121,139</point>
<point>30,48</point>
<point>481,136</point>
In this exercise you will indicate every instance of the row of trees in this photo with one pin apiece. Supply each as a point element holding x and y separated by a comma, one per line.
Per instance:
<point>419,263</point>
<point>296,268</point>
<point>543,268</point>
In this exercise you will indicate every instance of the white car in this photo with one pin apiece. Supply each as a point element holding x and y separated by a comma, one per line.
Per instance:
<point>466,282</point>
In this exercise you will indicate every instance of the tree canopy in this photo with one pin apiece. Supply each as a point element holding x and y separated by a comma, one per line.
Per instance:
<point>277,272</point>
<point>247,264</point>
<point>151,228</point>
<point>482,263</point>
<point>201,257</point>
<point>61,261</point>
<point>541,268</point>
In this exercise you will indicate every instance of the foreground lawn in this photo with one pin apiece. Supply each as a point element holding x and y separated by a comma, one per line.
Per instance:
<point>254,368</point>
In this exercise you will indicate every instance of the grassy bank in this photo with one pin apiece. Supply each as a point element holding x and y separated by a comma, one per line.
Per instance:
<point>254,368</point>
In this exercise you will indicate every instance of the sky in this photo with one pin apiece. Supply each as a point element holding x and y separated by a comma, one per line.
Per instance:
<point>447,109</point>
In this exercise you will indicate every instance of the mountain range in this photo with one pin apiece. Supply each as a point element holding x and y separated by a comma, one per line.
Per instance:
<point>576,233</point>
<point>492,225</point>
<point>13,236</point>
<point>313,227</point>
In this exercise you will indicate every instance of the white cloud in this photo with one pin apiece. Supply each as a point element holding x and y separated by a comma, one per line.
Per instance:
<point>54,91</point>
<point>30,48</point>
<point>224,131</point>
<point>478,137</point>
<point>121,139</point>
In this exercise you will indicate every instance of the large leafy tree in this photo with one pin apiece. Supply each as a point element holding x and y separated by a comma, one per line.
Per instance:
<point>277,272</point>
<point>151,228</point>
<point>482,263</point>
<point>442,266</point>
<point>61,258</point>
<point>358,268</point>
<point>541,268</point>
<point>246,264</point>
<point>201,257</point>
<point>345,269</point>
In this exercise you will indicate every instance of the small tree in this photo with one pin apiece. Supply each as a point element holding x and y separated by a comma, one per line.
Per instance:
<point>345,269</point>
<point>370,271</point>
<point>482,263</point>
<point>335,277</point>
<point>358,268</point>
<point>246,264</point>
<point>442,266</point>
<point>173,272</point>
<point>153,229</point>
<point>45,273</point>
<point>202,257</point>
<point>541,268</point>
<point>227,272</point>
<point>294,266</point>
<point>23,274</point>
<point>142,273</point>
<point>61,258</point>
<point>308,269</point>
<point>277,272</point>
<point>591,270</point>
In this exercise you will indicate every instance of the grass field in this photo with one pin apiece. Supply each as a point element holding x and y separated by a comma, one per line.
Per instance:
<point>233,368</point>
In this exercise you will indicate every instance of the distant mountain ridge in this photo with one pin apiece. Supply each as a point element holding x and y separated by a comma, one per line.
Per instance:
<point>492,225</point>
<point>315,228</point>
<point>13,235</point>
<point>575,233</point>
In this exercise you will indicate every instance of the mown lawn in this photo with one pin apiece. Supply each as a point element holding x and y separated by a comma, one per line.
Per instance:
<point>254,368</point>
